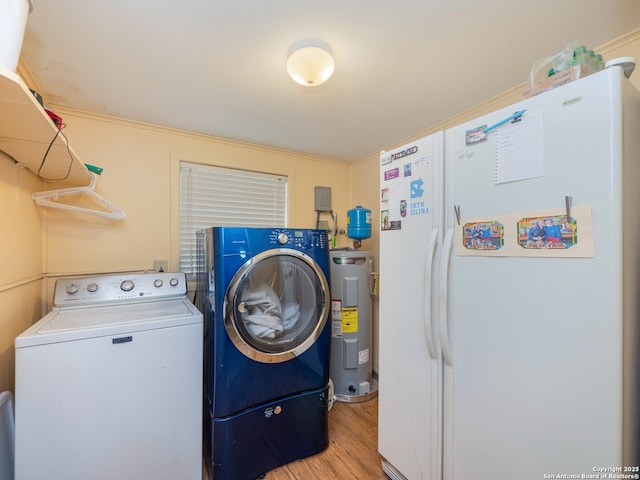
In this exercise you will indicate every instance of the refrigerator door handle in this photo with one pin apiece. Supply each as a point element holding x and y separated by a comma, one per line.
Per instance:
<point>428,293</point>
<point>447,352</point>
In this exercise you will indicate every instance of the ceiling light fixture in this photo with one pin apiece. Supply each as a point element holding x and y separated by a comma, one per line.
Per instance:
<point>310,63</point>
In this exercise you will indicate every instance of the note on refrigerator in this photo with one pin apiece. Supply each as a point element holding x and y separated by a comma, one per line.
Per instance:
<point>519,149</point>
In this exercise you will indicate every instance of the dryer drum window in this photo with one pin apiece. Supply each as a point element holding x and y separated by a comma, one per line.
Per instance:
<point>276,305</point>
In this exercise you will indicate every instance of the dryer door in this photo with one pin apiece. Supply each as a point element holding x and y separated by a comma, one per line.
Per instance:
<point>276,305</point>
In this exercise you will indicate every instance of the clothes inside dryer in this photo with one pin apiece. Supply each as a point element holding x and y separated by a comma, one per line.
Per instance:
<point>276,304</point>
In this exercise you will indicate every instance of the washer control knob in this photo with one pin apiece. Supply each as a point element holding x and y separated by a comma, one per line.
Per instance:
<point>283,239</point>
<point>127,286</point>
<point>157,283</point>
<point>92,287</point>
<point>72,289</point>
<point>173,282</point>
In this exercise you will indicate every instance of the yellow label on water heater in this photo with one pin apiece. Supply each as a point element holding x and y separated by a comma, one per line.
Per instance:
<point>350,320</point>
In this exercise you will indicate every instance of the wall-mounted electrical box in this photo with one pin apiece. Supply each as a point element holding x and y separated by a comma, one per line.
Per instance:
<point>323,199</point>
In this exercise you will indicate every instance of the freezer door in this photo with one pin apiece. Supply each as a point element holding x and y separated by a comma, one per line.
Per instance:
<point>409,355</point>
<point>533,345</point>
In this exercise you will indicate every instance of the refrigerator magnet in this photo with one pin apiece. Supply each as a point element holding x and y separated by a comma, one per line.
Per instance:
<point>475,135</point>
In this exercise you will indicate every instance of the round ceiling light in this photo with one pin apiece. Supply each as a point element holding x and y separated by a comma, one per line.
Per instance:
<point>310,63</point>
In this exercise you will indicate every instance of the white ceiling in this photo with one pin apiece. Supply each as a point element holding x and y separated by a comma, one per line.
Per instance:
<point>218,66</point>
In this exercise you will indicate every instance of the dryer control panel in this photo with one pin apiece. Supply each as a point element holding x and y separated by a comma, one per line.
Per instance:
<point>119,288</point>
<point>304,239</point>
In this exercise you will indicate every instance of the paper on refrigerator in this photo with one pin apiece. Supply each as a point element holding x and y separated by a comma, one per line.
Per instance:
<point>544,233</point>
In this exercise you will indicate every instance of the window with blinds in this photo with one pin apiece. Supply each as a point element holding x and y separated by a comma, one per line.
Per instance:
<point>215,196</point>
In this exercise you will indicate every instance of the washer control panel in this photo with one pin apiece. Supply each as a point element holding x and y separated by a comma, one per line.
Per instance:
<point>116,288</point>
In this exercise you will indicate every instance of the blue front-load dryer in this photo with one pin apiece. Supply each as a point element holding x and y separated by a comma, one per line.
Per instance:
<point>265,297</point>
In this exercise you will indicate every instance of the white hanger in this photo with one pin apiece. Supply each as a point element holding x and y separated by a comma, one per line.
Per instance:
<point>49,199</point>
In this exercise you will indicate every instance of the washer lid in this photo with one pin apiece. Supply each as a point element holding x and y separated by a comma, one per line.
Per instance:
<point>78,324</point>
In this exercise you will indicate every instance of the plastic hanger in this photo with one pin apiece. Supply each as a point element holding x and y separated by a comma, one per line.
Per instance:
<point>49,199</point>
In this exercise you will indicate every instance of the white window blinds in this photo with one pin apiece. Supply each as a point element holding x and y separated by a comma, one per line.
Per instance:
<point>214,196</point>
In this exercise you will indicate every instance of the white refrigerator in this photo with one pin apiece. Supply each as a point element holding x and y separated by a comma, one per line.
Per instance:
<point>509,287</point>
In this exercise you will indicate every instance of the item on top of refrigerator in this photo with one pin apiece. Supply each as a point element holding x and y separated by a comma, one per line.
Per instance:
<point>571,63</point>
<point>628,64</point>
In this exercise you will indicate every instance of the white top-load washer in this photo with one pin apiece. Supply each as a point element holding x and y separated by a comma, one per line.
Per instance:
<point>109,383</point>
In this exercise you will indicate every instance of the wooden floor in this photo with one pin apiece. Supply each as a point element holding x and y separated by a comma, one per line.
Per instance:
<point>352,452</point>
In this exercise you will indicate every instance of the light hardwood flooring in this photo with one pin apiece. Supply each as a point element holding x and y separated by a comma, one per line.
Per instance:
<point>352,451</point>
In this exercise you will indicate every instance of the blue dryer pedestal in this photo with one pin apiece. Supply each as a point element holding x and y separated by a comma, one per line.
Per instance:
<point>249,444</point>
